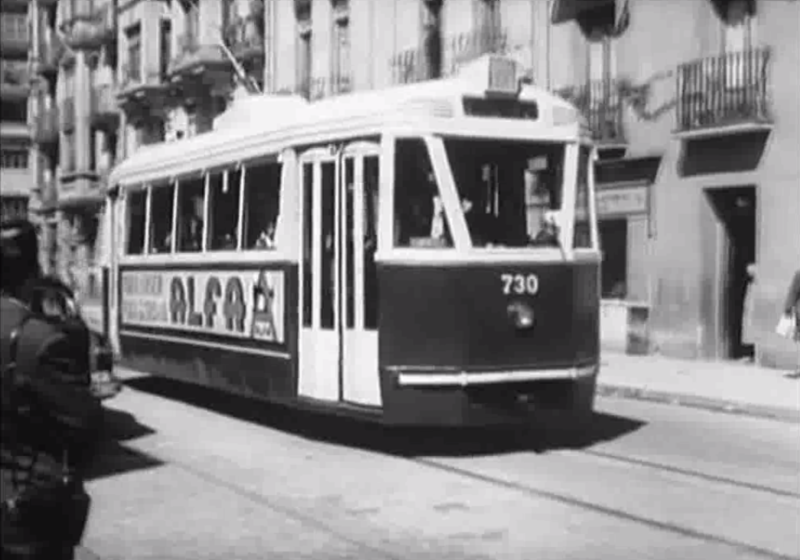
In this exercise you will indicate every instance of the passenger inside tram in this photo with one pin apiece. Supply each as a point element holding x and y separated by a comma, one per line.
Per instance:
<point>511,192</point>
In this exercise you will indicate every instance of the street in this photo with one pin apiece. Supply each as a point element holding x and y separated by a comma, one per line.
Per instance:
<point>187,474</point>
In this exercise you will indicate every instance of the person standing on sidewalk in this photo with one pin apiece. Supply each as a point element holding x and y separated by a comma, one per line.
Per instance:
<point>789,323</point>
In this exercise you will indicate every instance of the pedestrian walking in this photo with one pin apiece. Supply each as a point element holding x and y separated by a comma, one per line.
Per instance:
<point>48,413</point>
<point>748,328</point>
<point>788,324</point>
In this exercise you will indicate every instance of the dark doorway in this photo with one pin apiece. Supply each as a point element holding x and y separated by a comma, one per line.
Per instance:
<point>614,244</point>
<point>735,208</point>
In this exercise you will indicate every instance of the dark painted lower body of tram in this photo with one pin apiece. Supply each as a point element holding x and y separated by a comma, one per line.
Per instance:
<point>456,350</point>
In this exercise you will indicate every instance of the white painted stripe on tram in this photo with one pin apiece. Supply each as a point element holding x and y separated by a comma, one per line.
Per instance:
<point>482,378</point>
<point>217,345</point>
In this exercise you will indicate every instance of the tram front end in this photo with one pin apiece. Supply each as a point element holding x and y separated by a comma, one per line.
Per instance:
<point>483,344</point>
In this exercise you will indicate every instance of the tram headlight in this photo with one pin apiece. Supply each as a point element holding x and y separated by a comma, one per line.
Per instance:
<point>521,314</point>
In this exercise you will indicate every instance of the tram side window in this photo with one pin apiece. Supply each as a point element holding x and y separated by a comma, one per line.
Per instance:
<point>419,216</point>
<point>582,237</point>
<point>191,199</point>
<point>262,191</point>
<point>224,214</point>
<point>162,200</point>
<point>510,192</point>
<point>137,209</point>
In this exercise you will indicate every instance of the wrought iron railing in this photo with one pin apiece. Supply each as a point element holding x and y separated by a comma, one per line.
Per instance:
<point>601,104</point>
<point>465,47</point>
<point>723,90</point>
<point>408,66</point>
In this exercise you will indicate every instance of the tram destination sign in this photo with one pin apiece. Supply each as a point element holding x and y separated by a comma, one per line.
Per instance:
<point>247,304</point>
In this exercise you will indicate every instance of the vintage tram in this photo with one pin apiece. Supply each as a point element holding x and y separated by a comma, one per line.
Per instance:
<point>419,255</point>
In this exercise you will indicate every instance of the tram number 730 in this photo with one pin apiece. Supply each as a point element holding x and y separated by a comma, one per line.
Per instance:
<point>520,284</point>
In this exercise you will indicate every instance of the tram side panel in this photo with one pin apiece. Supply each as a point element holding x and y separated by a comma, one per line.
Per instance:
<point>230,327</point>
<point>446,320</point>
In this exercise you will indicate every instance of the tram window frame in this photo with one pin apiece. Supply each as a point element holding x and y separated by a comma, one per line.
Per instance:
<point>196,183</point>
<point>531,213</point>
<point>224,182</point>
<point>133,196</point>
<point>416,193</point>
<point>165,191</point>
<point>583,237</point>
<point>264,175</point>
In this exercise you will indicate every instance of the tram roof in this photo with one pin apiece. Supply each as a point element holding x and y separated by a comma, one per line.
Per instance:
<point>257,125</point>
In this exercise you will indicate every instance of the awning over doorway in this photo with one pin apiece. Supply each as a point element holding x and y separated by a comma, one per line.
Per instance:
<point>566,10</point>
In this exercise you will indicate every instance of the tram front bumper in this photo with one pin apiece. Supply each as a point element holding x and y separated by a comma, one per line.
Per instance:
<point>470,398</point>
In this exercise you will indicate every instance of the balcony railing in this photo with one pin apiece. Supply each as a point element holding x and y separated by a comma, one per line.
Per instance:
<point>601,104</point>
<point>314,89</point>
<point>466,47</point>
<point>724,90</point>
<point>46,126</point>
<point>68,114</point>
<point>87,27</point>
<point>14,78</point>
<point>408,67</point>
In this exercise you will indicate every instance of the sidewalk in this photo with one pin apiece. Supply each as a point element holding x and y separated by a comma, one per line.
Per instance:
<point>726,386</point>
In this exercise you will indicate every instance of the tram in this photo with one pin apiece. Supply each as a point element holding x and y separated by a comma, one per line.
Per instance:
<point>419,255</point>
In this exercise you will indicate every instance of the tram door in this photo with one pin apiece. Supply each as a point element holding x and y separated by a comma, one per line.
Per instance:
<point>338,282</point>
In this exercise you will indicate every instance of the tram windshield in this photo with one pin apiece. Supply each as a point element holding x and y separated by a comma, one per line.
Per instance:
<point>510,191</point>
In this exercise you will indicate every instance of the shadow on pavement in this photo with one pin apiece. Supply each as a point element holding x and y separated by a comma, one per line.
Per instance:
<point>545,432</point>
<point>112,456</point>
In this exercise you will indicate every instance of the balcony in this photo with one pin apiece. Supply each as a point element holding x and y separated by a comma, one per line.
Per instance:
<point>14,79</point>
<point>408,67</point>
<point>245,40</point>
<point>314,89</point>
<point>466,47</point>
<point>141,97</point>
<point>79,189</point>
<point>104,110</point>
<point>724,94</point>
<point>89,28</point>
<point>601,104</point>
<point>14,34</point>
<point>46,127</point>
<point>200,69</point>
<point>51,50</point>
<point>68,114</point>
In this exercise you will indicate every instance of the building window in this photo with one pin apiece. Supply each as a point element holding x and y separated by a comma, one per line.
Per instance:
<point>15,111</point>
<point>432,39</point>
<point>304,63</point>
<point>68,154</point>
<point>162,200</point>
<point>133,37</point>
<point>15,27</point>
<point>14,158</point>
<point>262,191</point>
<point>340,73</point>
<point>165,54</point>
<point>223,229</point>
<point>14,207</point>
<point>191,207</point>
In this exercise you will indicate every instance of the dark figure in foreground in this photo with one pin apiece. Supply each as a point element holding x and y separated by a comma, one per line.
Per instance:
<point>49,417</point>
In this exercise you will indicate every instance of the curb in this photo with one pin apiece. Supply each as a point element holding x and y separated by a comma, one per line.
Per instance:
<point>717,405</point>
<point>83,553</point>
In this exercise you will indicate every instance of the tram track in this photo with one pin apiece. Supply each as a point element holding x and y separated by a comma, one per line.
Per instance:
<point>566,499</point>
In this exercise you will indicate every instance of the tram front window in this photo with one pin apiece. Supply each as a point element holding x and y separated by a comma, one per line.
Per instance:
<point>511,192</point>
<point>420,220</point>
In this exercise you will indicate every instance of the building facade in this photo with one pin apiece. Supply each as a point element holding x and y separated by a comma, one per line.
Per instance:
<point>15,180</point>
<point>693,103</point>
